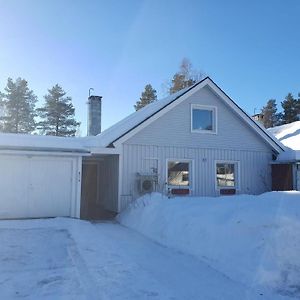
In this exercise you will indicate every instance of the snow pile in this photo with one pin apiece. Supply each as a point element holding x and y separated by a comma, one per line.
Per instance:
<point>288,134</point>
<point>252,239</point>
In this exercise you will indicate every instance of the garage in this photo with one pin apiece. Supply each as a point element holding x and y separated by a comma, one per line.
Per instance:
<point>34,186</point>
<point>40,176</point>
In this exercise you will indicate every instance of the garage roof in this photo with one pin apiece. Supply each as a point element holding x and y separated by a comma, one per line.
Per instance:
<point>10,141</point>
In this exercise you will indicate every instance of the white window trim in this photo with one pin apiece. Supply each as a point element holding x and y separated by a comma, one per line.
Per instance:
<point>191,173</point>
<point>237,178</point>
<point>214,110</point>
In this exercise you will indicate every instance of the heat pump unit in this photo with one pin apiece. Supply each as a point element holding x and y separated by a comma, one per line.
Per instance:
<point>146,183</point>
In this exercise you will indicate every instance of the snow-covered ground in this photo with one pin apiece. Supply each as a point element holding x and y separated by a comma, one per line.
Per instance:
<point>73,259</point>
<point>288,134</point>
<point>253,240</point>
<point>235,247</point>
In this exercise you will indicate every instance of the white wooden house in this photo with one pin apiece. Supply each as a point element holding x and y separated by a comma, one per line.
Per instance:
<point>195,142</point>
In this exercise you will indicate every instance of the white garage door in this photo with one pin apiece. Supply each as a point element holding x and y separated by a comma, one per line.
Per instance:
<point>33,186</point>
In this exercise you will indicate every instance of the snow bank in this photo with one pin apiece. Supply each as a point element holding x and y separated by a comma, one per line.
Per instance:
<point>252,239</point>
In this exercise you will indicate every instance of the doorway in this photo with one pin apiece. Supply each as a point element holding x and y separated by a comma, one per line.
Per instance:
<point>99,190</point>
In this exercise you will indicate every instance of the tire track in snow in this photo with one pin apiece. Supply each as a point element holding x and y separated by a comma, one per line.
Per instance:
<point>87,281</point>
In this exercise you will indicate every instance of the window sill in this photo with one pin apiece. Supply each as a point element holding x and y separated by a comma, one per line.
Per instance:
<point>180,191</point>
<point>204,131</point>
<point>227,188</point>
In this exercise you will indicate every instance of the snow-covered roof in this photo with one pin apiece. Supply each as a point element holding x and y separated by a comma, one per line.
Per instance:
<point>289,136</point>
<point>94,144</point>
<point>102,140</point>
<point>117,130</point>
<point>40,142</point>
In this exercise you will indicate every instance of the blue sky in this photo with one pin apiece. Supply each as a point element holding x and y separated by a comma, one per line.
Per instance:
<point>249,48</point>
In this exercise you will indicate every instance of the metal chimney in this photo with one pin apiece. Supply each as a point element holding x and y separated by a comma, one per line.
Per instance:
<point>94,115</point>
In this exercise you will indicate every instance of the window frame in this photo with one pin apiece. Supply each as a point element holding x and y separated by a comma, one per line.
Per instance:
<point>214,111</point>
<point>191,173</point>
<point>237,172</point>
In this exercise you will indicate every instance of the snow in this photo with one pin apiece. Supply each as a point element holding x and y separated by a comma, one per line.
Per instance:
<point>289,156</point>
<point>123,126</point>
<point>73,259</point>
<point>288,134</point>
<point>89,143</point>
<point>94,144</point>
<point>254,240</point>
<point>28,141</point>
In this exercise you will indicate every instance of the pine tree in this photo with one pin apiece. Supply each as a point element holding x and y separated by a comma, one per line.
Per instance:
<point>298,107</point>
<point>290,109</point>
<point>148,96</point>
<point>17,107</point>
<point>2,114</point>
<point>58,114</point>
<point>270,116</point>
<point>185,77</point>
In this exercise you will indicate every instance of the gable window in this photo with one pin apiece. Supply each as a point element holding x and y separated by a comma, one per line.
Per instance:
<point>226,174</point>
<point>203,119</point>
<point>179,173</point>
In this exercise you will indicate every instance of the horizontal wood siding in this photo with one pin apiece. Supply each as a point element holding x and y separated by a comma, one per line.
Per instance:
<point>254,174</point>
<point>174,128</point>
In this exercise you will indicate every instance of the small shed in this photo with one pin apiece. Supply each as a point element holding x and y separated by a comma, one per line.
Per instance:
<point>286,171</point>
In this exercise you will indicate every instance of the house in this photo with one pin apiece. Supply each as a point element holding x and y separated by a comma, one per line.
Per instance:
<point>286,168</point>
<point>258,118</point>
<point>195,142</point>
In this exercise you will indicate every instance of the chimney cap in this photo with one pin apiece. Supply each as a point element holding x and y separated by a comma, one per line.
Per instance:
<point>95,97</point>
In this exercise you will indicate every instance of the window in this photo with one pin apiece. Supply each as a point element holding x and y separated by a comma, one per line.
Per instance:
<point>178,173</point>
<point>203,119</point>
<point>226,174</point>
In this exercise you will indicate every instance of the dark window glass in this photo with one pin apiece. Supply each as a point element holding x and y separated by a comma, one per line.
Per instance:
<point>202,119</point>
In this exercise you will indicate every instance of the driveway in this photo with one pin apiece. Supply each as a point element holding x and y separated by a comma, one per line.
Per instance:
<point>72,259</point>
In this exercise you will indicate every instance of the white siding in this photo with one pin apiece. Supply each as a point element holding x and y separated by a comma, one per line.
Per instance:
<point>254,176</point>
<point>174,128</point>
<point>170,137</point>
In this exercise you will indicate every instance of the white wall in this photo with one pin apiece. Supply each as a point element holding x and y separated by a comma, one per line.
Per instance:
<point>170,137</point>
<point>174,128</point>
<point>254,175</point>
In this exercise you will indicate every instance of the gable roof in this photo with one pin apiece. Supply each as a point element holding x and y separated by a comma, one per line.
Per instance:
<point>130,125</point>
<point>118,130</point>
